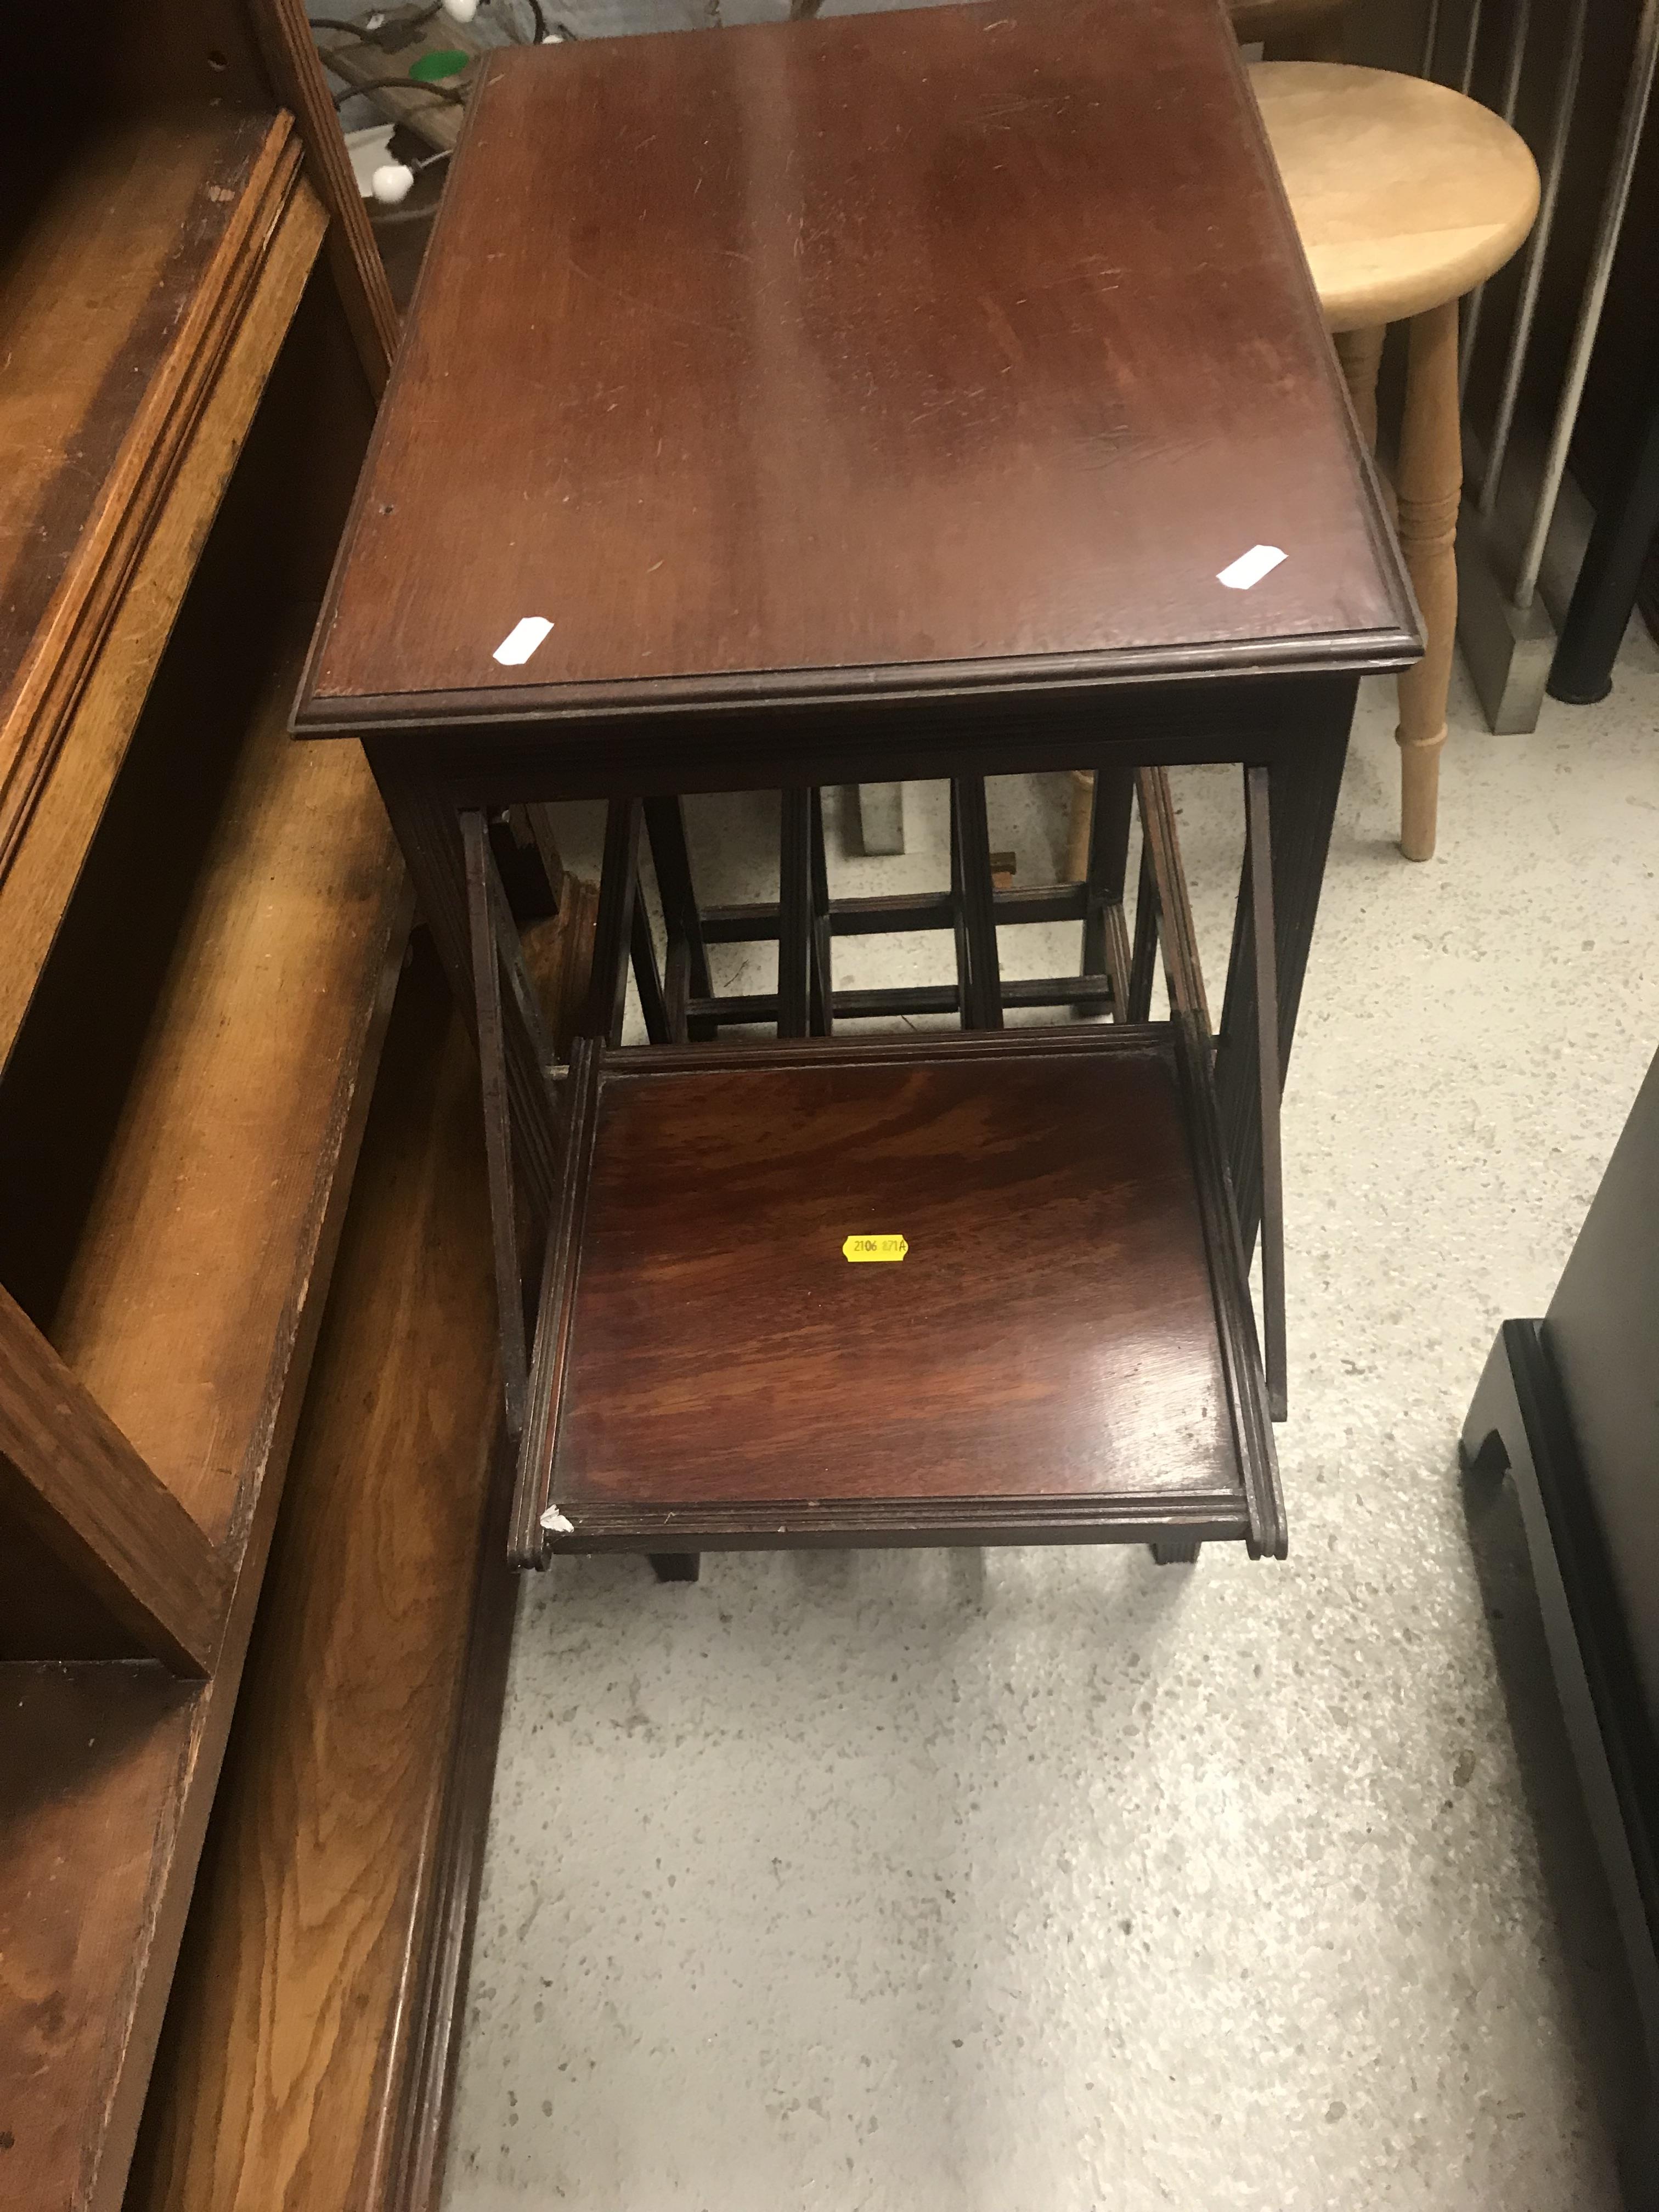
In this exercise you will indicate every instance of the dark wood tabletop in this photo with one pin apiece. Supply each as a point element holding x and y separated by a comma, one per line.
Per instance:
<point>961,349</point>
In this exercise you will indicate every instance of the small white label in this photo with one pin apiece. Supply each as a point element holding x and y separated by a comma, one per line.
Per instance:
<point>1238,575</point>
<point>522,640</point>
<point>558,1523</point>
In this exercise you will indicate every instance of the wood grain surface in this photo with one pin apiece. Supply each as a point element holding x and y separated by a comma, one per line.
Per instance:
<point>189,1313</point>
<point>93,1765</point>
<point>1443,194</point>
<point>191,1288</point>
<point>845,354</point>
<point>292,2015</point>
<point>69,800</point>
<point>125,293</point>
<point>1050,1333</point>
<point>68,1473</point>
<point>305,2061</point>
<point>287,45</point>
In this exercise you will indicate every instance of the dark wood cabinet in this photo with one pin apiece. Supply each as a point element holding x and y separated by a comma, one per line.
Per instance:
<point>1568,1407</point>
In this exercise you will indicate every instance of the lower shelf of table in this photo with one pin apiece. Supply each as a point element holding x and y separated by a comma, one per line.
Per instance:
<point>1064,1352</point>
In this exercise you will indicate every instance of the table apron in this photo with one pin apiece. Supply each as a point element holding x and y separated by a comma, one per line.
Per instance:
<point>1259,721</point>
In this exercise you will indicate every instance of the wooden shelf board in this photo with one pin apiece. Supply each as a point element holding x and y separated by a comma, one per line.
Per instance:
<point>92,1760</point>
<point>192,1286</point>
<point>310,2036</point>
<point>190,1311</point>
<point>1048,1361</point>
<point>69,800</point>
<point>321,1876</point>
<point>120,303</point>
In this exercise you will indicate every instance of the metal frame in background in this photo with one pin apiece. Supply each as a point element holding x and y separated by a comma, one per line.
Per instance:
<point>1508,638</point>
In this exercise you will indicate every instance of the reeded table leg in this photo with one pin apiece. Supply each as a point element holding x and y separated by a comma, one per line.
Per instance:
<point>428,828</point>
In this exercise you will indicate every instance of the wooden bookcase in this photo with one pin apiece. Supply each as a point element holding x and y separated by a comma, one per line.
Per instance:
<point>202,926</point>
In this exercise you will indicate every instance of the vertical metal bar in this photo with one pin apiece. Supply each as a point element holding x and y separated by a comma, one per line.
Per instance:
<point>1626,145</point>
<point>794,910</point>
<point>1471,44</point>
<point>1259,862</point>
<point>1532,275</point>
<point>984,1008</point>
<point>613,925</point>
<point>1519,26</point>
<point>498,1139</point>
<point>1430,39</point>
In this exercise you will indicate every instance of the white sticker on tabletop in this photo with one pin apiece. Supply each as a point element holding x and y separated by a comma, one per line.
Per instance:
<point>522,640</point>
<point>1238,575</point>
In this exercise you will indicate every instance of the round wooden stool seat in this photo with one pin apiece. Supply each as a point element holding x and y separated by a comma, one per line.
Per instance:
<point>1405,194</point>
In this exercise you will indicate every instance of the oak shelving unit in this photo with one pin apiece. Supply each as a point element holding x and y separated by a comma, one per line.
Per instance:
<point>202,925</point>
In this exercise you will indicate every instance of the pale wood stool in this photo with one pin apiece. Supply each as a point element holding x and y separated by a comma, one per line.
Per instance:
<point>1287,31</point>
<point>1405,196</point>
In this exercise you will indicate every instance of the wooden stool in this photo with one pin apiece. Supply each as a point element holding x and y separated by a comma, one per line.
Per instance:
<point>1405,196</point>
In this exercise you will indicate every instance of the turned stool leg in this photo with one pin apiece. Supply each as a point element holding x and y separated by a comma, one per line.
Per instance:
<point>1429,483</point>
<point>1360,353</point>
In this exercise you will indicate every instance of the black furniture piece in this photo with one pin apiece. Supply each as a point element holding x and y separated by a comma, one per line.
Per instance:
<point>1610,576</point>
<point>1569,1407</point>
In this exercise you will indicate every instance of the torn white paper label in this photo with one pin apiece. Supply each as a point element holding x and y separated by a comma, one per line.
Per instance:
<point>1238,575</point>
<point>522,640</point>
<point>558,1523</point>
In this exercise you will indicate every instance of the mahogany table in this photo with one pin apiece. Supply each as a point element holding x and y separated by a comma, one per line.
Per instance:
<point>912,395</point>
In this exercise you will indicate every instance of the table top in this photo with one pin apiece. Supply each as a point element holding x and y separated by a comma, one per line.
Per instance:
<point>963,347</point>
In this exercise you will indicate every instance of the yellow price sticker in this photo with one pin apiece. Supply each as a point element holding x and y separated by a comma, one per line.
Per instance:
<point>874,1248</point>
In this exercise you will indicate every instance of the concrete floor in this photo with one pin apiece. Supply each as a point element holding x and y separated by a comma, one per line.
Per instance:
<point>1053,1881</point>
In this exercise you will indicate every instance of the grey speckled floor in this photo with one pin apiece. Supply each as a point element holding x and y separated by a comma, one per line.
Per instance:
<point>1033,1881</point>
